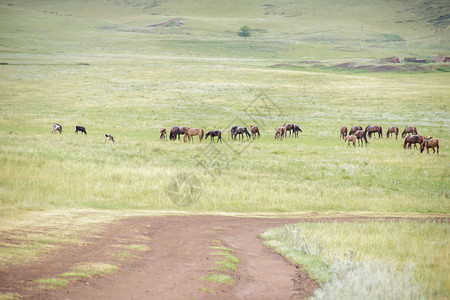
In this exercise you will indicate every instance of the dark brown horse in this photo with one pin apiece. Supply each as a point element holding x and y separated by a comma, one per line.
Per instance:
<point>289,127</point>
<point>372,129</point>
<point>213,134</point>
<point>280,132</point>
<point>255,131</point>
<point>354,129</point>
<point>163,135</point>
<point>392,130</point>
<point>297,129</point>
<point>361,135</point>
<point>414,139</point>
<point>233,132</point>
<point>191,132</point>
<point>241,131</point>
<point>430,142</point>
<point>350,138</point>
<point>409,130</point>
<point>344,131</point>
<point>174,133</point>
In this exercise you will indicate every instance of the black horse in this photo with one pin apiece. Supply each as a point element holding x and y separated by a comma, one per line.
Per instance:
<point>213,134</point>
<point>297,129</point>
<point>81,129</point>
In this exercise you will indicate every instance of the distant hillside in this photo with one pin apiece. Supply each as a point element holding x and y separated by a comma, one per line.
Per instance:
<point>409,25</point>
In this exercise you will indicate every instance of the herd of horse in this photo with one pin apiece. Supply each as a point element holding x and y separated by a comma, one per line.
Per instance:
<point>237,133</point>
<point>356,134</point>
<point>410,134</point>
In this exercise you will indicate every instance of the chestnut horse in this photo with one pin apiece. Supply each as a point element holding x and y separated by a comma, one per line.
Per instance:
<point>280,132</point>
<point>289,127</point>
<point>430,142</point>
<point>344,131</point>
<point>213,134</point>
<point>354,129</point>
<point>360,135</point>
<point>409,130</point>
<point>191,132</point>
<point>163,135</point>
<point>350,138</point>
<point>414,139</point>
<point>255,130</point>
<point>374,129</point>
<point>392,130</point>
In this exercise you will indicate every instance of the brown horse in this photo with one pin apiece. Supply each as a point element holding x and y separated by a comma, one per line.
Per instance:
<point>213,134</point>
<point>163,135</point>
<point>344,131</point>
<point>280,132</point>
<point>109,137</point>
<point>350,138</point>
<point>174,132</point>
<point>233,132</point>
<point>414,139</point>
<point>255,130</point>
<point>372,129</point>
<point>430,142</point>
<point>361,135</point>
<point>241,131</point>
<point>297,129</point>
<point>191,132</point>
<point>392,130</point>
<point>354,129</point>
<point>409,130</point>
<point>289,127</point>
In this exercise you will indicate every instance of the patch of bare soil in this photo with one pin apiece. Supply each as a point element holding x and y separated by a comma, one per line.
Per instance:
<point>179,257</point>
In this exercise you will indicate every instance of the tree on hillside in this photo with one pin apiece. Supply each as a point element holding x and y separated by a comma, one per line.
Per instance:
<point>244,32</point>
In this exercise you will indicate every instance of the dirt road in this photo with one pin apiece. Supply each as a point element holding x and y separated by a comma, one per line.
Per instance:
<point>180,251</point>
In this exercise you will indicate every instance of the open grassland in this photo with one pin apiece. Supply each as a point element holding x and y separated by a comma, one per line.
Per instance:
<point>319,246</point>
<point>133,100</point>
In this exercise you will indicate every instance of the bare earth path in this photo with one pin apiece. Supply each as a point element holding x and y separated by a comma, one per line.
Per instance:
<point>180,255</point>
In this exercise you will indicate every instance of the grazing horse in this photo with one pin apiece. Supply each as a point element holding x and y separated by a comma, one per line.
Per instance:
<point>191,132</point>
<point>163,135</point>
<point>430,142</point>
<point>255,130</point>
<point>183,129</point>
<point>241,131</point>
<point>233,132</point>
<point>414,139</point>
<point>354,129</point>
<point>81,129</point>
<point>174,132</point>
<point>350,138</point>
<point>409,130</point>
<point>289,127</point>
<point>344,131</point>
<point>297,129</point>
<point>213,134</point>
<point>392,130</point>
<point>360,135</point>
<point>280,132</point>
<point>56,127</point>
<point>109,137</point>
<point>374,129</point>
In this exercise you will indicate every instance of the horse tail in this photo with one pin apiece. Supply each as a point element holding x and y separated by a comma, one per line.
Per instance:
<point>381,131</point>
<point>365,138</point>
<point>404,144</point>
<point>203,133</point>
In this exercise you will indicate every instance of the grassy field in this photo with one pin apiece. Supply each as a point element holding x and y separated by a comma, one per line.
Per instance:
<point>101,65</point>
<point>422,245</point>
